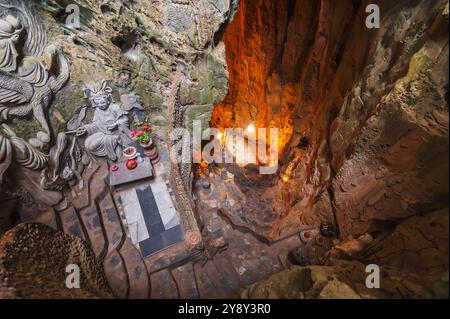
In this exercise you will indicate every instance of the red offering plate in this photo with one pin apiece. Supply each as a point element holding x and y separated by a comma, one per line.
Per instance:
<point>131,164</point>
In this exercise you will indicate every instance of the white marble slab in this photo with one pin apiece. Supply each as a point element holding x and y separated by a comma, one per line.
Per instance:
<point>166,208</point>
<point>134,216</point>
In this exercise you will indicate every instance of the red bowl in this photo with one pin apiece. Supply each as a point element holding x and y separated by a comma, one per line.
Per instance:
<point>131,164</point>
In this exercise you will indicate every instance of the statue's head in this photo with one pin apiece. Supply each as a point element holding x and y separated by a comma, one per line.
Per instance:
<point>99,96</point>
<point>10,30</point>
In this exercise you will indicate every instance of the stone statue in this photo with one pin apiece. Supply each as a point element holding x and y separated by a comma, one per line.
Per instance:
<point>109,130</point>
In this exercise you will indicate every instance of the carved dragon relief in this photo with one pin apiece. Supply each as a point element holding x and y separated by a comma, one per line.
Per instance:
<point>31,73</point>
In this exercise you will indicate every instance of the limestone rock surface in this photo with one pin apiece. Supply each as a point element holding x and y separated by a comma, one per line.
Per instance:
<point>33,261</point>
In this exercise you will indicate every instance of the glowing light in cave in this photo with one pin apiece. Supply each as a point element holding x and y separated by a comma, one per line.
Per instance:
<point>273,163</point>
<point>287,173</point>
<point>221,137</point>
<point>250,128</point>
<point>267,161</point>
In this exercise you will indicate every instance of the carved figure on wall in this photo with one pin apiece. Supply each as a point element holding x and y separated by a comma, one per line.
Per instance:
<point>26,83</point>
<point>109,130</point>
<point>31,73</point>
<point>10,30</point>
<point>132,103</point>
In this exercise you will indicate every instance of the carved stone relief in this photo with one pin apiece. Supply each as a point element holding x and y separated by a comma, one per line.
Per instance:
<point>31,73</point>
<point>109,130</point>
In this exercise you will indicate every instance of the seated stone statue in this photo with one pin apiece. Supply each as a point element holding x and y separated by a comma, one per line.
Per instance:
<point>109,130</point>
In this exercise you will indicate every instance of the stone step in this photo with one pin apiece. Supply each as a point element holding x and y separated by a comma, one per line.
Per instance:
<point>205,286</point>
<point>282,248</point>
<point>92,222</point>
<point>249,258</point>
<point>70,223</point>
<point>219,281</point>
<point>116,274</point>
<point>111,222</point>
<point>225,267</point>
<point>185,279</point>
<point>138,278</point>
<point>163,285</point>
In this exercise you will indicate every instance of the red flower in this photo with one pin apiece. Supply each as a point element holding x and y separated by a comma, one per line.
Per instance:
<point>145,128</point>
<point>142,130</point>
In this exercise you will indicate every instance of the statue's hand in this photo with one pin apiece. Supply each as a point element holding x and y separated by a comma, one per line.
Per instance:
<point>111,127</point>
<point>81,131</point>
<point>49,53</point>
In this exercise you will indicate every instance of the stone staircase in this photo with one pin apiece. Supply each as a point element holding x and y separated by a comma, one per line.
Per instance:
<point>93,216</point>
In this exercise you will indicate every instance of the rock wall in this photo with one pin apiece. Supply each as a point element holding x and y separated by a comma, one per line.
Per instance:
<point>362,113</point>
<point>363,119</point>
<point>413,263</point>
<point>138,45</point>
<point>389,143</point>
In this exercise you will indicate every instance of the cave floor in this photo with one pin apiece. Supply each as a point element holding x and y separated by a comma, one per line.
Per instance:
<point>236,257</point>
<point>246,199</point>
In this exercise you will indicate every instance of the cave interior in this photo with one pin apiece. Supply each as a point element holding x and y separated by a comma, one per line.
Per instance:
<point>358,175</point>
